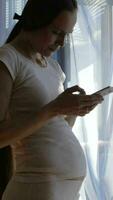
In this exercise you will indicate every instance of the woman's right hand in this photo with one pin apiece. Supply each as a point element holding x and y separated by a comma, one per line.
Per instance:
<point>68,103</point>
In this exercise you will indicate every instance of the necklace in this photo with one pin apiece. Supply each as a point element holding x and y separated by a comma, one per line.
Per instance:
<point>41,60</point>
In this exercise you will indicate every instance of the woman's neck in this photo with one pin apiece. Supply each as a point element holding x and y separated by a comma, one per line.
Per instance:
<point>23,45</point>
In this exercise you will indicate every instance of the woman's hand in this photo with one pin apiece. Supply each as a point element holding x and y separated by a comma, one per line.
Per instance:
<point>68,103</point>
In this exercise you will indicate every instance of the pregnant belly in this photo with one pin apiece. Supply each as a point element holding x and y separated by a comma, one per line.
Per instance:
<point>52,152</point>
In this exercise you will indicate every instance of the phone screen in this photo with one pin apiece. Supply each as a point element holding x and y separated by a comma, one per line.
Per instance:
<point>105,91</point>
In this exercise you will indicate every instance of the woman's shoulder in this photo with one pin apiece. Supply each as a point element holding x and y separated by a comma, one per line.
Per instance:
<point>8,52</point>
<point>10,58</point>
<point>6,48</point>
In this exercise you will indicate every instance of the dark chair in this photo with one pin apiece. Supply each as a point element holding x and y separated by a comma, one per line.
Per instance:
<point>6,168</point>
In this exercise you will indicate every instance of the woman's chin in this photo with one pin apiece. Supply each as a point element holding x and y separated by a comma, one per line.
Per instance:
<point>48,52</point>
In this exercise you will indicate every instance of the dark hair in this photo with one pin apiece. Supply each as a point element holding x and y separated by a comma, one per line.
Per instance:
<point>39,13</point>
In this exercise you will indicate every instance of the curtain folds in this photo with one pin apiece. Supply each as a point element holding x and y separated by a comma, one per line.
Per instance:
<point>90,65</point>
<point>7,10</point>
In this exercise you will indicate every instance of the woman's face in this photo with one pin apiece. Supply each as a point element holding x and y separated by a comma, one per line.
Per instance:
<point>49,39</point>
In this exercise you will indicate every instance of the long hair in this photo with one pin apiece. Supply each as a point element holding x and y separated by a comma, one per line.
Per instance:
<point>39,13</point>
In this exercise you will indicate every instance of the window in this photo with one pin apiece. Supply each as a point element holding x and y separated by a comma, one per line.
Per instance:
<point>7,10</point>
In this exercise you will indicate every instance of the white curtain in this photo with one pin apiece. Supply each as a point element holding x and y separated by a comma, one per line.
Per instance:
<point>91,61</point>
<point>7,10</point>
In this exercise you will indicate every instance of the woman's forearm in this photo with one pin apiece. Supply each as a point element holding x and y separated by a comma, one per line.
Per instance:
<point>13,130</point>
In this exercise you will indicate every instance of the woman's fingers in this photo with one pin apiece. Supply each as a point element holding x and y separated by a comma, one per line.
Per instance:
<point>87,109</point>
<point>89,100</point>
<point>68,103</point>
<point>76,88</point>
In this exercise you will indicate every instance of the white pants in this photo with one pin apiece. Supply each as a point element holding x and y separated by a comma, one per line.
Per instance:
<point>48,190</point>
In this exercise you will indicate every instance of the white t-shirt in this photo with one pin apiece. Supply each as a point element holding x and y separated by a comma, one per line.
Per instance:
<point>53,149</point>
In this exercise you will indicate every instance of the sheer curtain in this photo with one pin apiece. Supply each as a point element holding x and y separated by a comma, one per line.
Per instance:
<point>91,60</point>
<point>7,10</point>
<point>90,56</point>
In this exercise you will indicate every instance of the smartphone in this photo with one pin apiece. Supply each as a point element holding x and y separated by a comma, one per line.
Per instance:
<point>105,91</point>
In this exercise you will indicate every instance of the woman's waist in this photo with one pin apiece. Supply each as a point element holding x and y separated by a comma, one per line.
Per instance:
<point>34,176</point>
<point>55,131</point>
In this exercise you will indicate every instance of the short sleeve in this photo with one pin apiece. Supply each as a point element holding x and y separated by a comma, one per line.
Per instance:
<point>9,58</point>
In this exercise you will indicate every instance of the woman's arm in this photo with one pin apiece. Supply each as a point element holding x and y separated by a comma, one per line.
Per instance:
<point>16,129</point>
<point>13,130</point>
<point>65,104</point>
